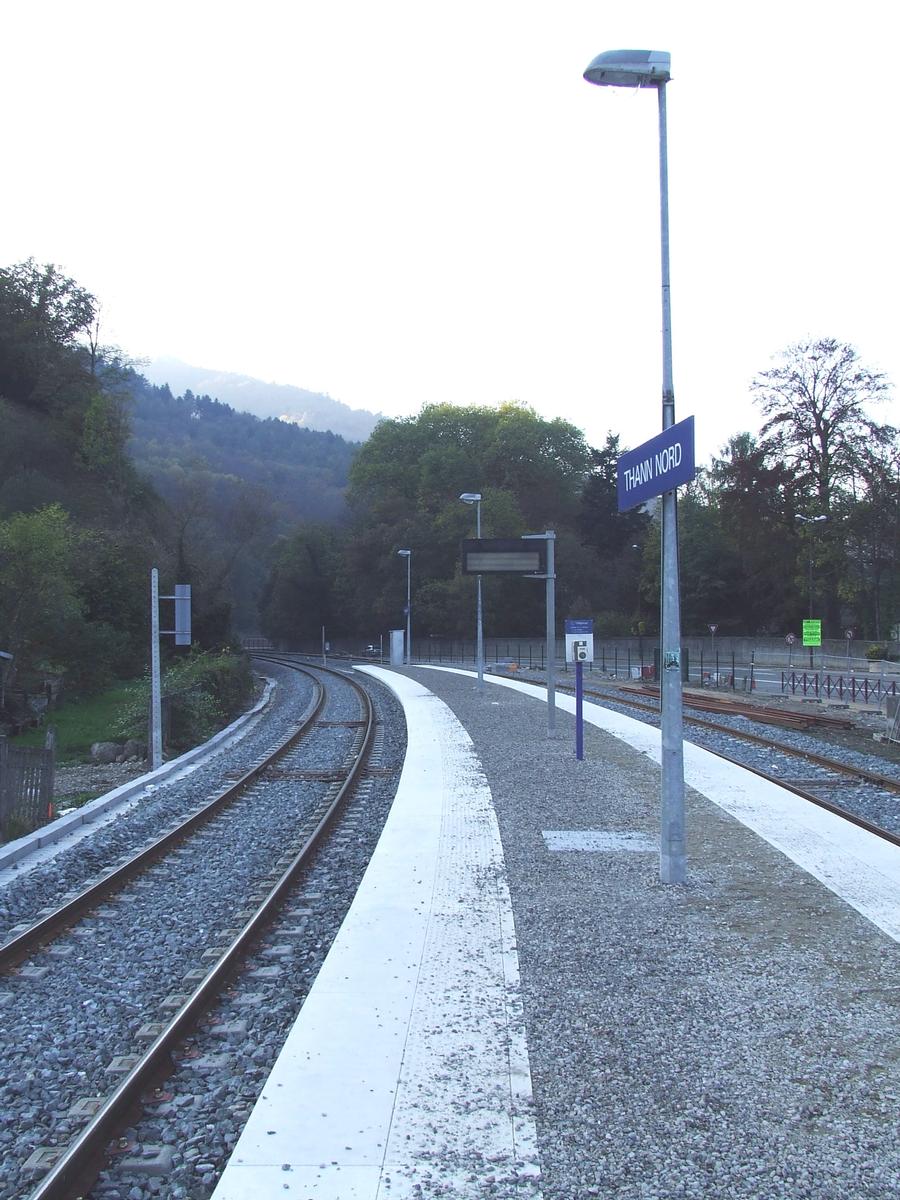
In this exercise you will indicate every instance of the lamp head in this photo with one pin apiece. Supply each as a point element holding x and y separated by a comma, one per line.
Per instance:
<point>630,68</point>
<point>470,497</point>
<point>404,553</point>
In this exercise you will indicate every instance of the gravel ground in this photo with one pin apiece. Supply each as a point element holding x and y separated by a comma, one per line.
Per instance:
<point>91,991</point>
<point>732,1038</point>
<point>854,747</point>
<point>218,1079</point>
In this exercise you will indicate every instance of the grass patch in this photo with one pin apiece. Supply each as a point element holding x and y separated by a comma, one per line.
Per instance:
<point>80,723</point>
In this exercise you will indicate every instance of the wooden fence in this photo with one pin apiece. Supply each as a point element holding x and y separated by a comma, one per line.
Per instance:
<point>26,787</point>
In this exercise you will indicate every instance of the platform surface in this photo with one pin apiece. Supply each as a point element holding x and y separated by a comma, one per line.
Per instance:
<point>407,1067</point>
<point>733,1037</point>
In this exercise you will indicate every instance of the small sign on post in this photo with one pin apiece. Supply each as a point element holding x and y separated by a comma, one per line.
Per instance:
<point>182,634</point>
<point>182,614</point>
<point>812,636</point>
<point>579,650</point>
<point>812,632</point>
<point>790,639</point>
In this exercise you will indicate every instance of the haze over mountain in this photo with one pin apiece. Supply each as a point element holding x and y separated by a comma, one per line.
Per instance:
<point>313,410</point>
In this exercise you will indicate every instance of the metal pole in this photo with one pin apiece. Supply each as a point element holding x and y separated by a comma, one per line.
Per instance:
<point>551,632</point>
<point>155,681</point>
<point>408,614</point>
<point>479,629</point>
<point>579,712</point>
<point>672,865</point>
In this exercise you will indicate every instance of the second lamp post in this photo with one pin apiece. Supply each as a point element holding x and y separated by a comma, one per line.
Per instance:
<point>475,498</point>
<point>407,554</point>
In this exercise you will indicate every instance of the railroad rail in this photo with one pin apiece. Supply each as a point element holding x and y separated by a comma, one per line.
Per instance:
<point>765,714</point>
<point>71,1169</point>
<point>840,769</point>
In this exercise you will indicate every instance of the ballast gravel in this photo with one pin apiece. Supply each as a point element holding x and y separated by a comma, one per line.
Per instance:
<point>159,807</point>
<point>66,1025</point>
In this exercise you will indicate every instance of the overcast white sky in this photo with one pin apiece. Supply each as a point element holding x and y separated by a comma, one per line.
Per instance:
<point>404,202</point>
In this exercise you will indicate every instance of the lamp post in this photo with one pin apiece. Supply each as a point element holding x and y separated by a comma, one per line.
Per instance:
<point>639,624</point>
<point>407,554</point>
<point>652,68</point>
<point>810,521</point>
<point>475,498</point>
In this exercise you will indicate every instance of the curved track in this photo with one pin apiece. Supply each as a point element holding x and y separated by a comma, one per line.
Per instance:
<point>70,1168</point>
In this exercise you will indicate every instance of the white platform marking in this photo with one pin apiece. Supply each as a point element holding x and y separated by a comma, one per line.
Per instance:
<point>598,840</point>
<point>861,868</point>
<point>408,1061</point>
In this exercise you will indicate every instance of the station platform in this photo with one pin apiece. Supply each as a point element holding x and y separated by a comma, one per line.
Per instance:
<point>516,1006</point>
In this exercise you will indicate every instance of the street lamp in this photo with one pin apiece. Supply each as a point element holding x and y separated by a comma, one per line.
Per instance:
<point>810,521</point>
<point>651,68</point>
<point>407,554</point>
<point>475,498</point>
<point>639,624</point>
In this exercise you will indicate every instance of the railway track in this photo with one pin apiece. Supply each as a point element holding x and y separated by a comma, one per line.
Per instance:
<point>225,871</point>
<point>833,774</point>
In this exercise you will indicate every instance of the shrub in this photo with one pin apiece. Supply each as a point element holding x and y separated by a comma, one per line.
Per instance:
<point>205,690</point>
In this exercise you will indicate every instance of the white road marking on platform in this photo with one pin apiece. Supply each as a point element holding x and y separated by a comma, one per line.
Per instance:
<point>860,867</point>
<point>407,1067</point>
<point>597,840</point>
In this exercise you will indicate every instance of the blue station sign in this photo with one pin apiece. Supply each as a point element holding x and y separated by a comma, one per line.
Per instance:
<point>657,466</point>
<point>579,625</point>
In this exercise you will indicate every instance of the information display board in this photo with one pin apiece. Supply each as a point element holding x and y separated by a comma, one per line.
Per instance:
<point>504,556</point>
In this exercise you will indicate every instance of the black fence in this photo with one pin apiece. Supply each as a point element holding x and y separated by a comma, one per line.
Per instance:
<point>26,788</point>
<point>847,688</point>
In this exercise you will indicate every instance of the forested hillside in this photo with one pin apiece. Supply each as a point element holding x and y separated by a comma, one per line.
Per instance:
<point>103,475</point>
<point>234,483</point>
<point>303,471</point>
<point>79,525</point>
<point>282,530</point>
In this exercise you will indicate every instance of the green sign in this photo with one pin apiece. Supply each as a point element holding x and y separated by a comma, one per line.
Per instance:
<point>812,633</point>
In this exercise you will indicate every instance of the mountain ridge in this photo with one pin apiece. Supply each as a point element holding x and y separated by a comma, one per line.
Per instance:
<point>244,393</point>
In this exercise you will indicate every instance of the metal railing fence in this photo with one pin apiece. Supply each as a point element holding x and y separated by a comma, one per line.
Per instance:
<point>26,787</point>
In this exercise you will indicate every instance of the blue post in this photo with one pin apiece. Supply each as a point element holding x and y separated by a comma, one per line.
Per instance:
<point>579,711</point>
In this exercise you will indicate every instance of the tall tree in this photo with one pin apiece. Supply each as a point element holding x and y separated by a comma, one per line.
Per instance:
<point>753,496</point>
<point>816,423</point>
<point>43,314</point>
<point>299,596</point>
<point>871,585</point>
<point>404,490</point>
<point>38,597</point>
